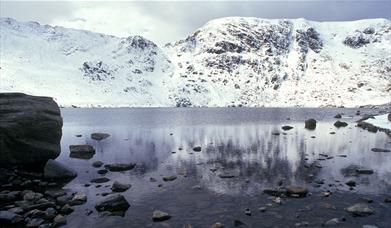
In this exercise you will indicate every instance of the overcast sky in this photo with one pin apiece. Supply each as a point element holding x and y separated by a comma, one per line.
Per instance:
<point>166,21</point>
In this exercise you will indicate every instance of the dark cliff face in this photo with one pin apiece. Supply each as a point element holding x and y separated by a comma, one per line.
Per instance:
<point>30,129</point>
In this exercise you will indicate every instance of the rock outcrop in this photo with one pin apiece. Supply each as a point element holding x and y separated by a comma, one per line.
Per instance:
<point>30,129</point>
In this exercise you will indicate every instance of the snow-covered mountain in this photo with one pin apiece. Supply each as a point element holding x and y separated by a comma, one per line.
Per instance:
<point>227,62</point>
<point>82,68</point>
<point>256,62</point>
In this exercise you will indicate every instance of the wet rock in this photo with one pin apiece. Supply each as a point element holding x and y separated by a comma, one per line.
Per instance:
<point>113,203</point>
<point>226,175</point>
<point>197,149</point>
<point>30,129</point>
<point>34,222</point>
<point>387,199</point>
<point>262,209</point>
<point>65,199</point>
<point>97,164</point>
<point>389,117</point>
<point>119,167</point>
<point>7,217</point>
<point>332,222</point>
<point>238,223</point>
<point>169,178</point>
<point>35,213</point>
<point>99,136</point>
<point>100,180</point>
<point>355,170</point>
<point>218,225</point>
<point>78,199</point>
<point>158,216</point>
<point>286,128</point>
<point>102,171</point>
<point>360,209</point>
<point>120,187</point>
<point>379,150</point>
<point>151,179</point>
<point>32,196</point>
<point>50,213</point>
<point>66,209</point>
<point>310,124</point>
<point>364,171</point>
<point>339,124</point>
<point>338,116</point>
<point>81,151</point>
<point>296,191</point>
<point>369,226</point>
<point>59,220</point>
<point>247,212</point>
<point>351,183</point>
<point>275,192</point>
<point>56,170</point>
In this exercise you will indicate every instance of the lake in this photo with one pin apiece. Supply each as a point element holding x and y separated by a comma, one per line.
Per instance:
<point>246,144</point>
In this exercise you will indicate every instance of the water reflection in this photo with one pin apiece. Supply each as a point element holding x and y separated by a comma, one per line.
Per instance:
<point>251,152</point>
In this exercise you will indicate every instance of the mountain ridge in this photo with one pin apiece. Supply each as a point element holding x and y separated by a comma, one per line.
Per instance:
<point>231,61</point>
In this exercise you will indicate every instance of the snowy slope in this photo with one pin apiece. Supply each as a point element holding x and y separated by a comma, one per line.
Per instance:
<point>255,62</point>
<point>81,68</point>
<point>227,62</point>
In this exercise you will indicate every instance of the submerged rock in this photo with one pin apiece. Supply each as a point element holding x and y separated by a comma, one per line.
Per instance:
<point>379,150</point>
<point>286,128</point>
<point>97,164</point>
<point>99,136</point>
<point>120,187</point>
<point>169,178</point>
<point>118,167</point>
<point>30,129</point>
<point>338,116</point>
<point>197,149</point>
<point>360,209</point>
<point>158,216</point>
<point>113,203</point>
<point>100,180</point>
<point>81,151</point>
<point>339,124</point>
<point>310,124</point>
<point>56,170</point>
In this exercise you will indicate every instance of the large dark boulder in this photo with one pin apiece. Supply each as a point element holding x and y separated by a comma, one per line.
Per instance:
<point>30,129</point>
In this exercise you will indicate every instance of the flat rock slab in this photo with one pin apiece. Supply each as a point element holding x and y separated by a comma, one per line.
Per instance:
<point>99,136</point>
<point>81,151</point>
<point>113,203</point>
<point>360,209</point>
<point>118,167</point>
<point>159,216</point>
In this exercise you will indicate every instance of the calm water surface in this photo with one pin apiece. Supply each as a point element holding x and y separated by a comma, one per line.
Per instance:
<point>238,141</point>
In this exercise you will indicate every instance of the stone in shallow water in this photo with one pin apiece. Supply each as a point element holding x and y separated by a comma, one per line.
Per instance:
<point>97,164</point>
<point>100,180</point>
<point>360,209</point>
<point>338,116</point>
<point>169,178</point>
<point>197,149</point>
<point>56,170</point>
<point>9,217</point>
<point>113,203</point>
<point>158,216</point>
<point>119,167</point>
<point>310,124</point>
<point>120,187</point>
<point>218,225</point>
<point>81,151</point>
<point>286,128</point>
<point>296,191</point>
<point>378,150</point>
<point>339,124</point>
<point>99,136</point>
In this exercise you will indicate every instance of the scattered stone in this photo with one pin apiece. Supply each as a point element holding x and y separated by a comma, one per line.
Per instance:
<point>169,178</point>
<point>151,179</point>
<point>32,196</point>
<point>338,116</point>
<point>332,222</point>
<point>218,225</point>
<point>339,124</point>
<point>247,212</point>
<point>78,199</point>
<point>310,124</point>
<point>100,180</point>
<point>364,171</point>
<point>97,164</point>
<point>378,150</point>
<point>262,209</point>
<point>197,149</point>
<point>59,220</point>
<point>120,187</point>
<point>332,133</point>
<point>119,167</point>
<point>78,136</point>
<point>9,217</point>
<point>351,183</point>
<point>34,222</point>
<point>55,170</point>
<point>159,216</point>
<point>66,209</point>
<point>275,133</point>
<point>238,223</point>
<point>360,209</point>
<point>226,175</point>
<point>102,171</point>
<point>296,191</point>
<point>81,151</point>
<point>99,136</point>
<point>113,203</point>
<point>277,200</point>
<point>286,128</point>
